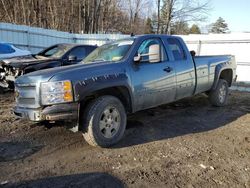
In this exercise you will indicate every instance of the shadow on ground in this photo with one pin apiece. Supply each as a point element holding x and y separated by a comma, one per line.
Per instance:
<point>91,180</point>
<point>191,115</point>
<point>17,150</point>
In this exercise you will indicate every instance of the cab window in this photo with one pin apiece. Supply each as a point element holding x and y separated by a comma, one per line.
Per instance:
<point>148,48</point>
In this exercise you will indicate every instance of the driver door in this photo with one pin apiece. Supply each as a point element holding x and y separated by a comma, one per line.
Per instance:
<point>153,76</point>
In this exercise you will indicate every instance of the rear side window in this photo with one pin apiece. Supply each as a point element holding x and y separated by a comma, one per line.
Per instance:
<point>176,49</point>
<point>6,49</point>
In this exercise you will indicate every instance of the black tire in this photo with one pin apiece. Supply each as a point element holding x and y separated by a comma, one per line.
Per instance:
<point>104,121</point>
<point>218,97</point>
<point>1,90</point>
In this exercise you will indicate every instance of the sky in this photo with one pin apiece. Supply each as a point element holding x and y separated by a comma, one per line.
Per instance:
<point>236,13</point>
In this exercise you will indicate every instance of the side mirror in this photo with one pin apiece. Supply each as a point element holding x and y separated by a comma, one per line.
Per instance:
<point>153,56</point>
<point>193,53</point>
<point>137,58</point>
<point>154,53</point>
<point>72,58</point>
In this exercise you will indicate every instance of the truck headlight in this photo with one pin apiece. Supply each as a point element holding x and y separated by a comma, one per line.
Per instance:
<point>56,92</point>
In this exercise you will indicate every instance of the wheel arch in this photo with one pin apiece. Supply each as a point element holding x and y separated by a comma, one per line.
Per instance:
<point>121,92</point>
<point>227,74</point>
<point>223,73</point>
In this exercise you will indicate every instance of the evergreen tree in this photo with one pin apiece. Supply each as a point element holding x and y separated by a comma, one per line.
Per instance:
<point>149,26</point>
<point>195,29</point>
<point>220,26</point>
<point>179,28</point>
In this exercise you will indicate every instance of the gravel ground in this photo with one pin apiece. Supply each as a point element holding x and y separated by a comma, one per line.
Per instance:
<point>184,144</point>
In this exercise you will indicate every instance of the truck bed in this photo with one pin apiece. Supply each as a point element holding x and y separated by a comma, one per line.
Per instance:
<point>205,70</point>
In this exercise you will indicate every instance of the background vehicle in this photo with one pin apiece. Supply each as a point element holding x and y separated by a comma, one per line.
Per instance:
<point>119,78</point>
<point>54,56</point>
<point>9,51</point>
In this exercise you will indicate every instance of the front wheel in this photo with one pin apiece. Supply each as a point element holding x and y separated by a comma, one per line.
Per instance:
<point>218,97</point>
<point>1,90</point>
<point>104,121</point>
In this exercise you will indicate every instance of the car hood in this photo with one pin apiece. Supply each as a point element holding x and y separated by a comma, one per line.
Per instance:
<point>25,61</point>
<point>14,55</point>
<point>72,72</point>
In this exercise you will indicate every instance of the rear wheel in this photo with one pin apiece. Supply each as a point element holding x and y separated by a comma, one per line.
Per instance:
<point>104,121</point>
<point>218,97</point>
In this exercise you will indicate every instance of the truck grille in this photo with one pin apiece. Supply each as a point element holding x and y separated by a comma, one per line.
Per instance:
<point>28,101</point>
<point>27,95</point>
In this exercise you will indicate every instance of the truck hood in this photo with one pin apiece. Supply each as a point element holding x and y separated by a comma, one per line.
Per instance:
<point>72,72</point>
<point>24,61</point>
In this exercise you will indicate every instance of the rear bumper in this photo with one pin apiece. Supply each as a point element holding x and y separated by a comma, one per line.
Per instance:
<point>49,113</point>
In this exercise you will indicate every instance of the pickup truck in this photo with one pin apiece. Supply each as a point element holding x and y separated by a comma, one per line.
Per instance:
<point>120,78</point>
<point>53,56</point>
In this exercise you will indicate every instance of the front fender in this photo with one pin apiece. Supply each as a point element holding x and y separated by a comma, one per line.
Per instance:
<point>87,86</point>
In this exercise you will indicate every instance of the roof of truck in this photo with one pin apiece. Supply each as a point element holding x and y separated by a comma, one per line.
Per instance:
<point>150,35</point>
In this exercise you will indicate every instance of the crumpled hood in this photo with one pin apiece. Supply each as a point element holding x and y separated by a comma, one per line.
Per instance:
<point>72,72</point>
<point>27,58</point>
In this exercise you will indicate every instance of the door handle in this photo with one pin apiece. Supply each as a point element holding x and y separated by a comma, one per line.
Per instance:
<point>168,69</point>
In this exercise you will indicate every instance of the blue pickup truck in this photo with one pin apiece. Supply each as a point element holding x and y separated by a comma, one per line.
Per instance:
<point>119,78</point>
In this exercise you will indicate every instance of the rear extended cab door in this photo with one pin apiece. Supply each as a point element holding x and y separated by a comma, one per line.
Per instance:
<point>184,66</point>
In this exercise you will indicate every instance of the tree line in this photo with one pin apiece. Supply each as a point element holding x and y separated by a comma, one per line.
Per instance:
<point>107,16</point>
<point>80,16</point>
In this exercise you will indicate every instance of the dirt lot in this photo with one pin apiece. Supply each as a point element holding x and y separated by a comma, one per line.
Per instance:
<point>184,144</point>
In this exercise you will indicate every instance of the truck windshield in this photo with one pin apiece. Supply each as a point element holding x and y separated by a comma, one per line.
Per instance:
<point>111,52</point>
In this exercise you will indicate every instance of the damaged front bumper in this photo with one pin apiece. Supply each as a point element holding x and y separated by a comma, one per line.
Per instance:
<point>50,113</point>
<point>8,75</point>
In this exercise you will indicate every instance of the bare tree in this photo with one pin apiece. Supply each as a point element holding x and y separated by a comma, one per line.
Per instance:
<point>158,15</point>
<point>182,11</point>
<point>136,8</point>
<point>101,16</point>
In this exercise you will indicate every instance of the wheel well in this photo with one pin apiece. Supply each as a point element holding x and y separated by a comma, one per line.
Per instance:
<point>227,75</point>
<point>120,92</point>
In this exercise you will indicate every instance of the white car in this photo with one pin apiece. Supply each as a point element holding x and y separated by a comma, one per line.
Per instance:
<point>8,51</point>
